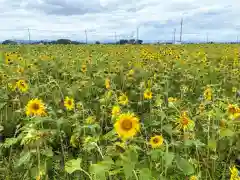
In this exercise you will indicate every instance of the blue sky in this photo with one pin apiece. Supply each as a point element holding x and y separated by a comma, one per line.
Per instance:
<point>156,19</point>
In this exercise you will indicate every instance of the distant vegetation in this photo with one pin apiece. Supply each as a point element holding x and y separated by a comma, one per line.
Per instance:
<point>67,41</point>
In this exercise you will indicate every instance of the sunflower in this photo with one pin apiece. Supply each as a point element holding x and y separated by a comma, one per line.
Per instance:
<point>193,178</point>
<point>172,100</point>
<point>84,68</point>
<point>184,122</point>
<point>22,85</point>
<point>123,99</point>
<point>69,103</point>
<point>147,94</point>
<point>35,107</point>
<point>156,141</point>
<point>127,125</point>
<point>233,109</point>
<point>234,173</point>
<point>208,94</point>
<point>115,111</point>
<point>107,83</point>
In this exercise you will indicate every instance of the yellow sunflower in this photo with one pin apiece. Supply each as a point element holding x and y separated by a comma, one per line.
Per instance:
<point>69,103</point>
<point>35,107</point>
<point>107,83</point>
<point>193,178</point>
<point>22,85</point>
<point>172,100</point>
<point>234,173</point>
<point>115,111</point>
<point>127,125</point>
<point>147,94</point>
<point>123,99</point>
<point>208,94</point>
<point>84,68</point>
<point>184,122</point>
<point>156,141</point>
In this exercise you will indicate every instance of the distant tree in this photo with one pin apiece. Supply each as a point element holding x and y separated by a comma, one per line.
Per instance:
<point>9,42</point>
<point>131,41</point>
<point>97,42</point>
<point>139,41</point>
<point>63,41</point>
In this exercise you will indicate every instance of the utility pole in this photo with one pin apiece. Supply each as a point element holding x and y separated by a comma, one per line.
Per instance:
<point>237,39</point>
<point>181,30</point>
<point>86,36</point>
<point>207,37</point>
<point>137,35</point>
<point>174,35</point>
<point>29,36</point>
<point>115,35</point>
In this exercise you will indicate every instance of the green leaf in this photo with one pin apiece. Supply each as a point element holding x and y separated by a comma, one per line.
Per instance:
<point>145,174</point>
<point>47,152</point>
<point>184,166</point>
<point>226,133</point>
<point>156,154</point>
<point>9,142</point>
<point>168,129</point>
<point>212,144</point>
<point>168,158</point>
<point>128,169</point>
<point>73,165</point>
<point>24,159</point>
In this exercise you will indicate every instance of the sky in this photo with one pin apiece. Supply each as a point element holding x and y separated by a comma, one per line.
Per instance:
<point>212,20</point>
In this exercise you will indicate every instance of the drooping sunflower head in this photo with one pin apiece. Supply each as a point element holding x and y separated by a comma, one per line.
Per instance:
<point>69,103</point>
<point>35,107</point>
<point>147,94</point>
<point>123,99</point>
<point>156,141</point>
<point>127,125</point>
<point>22,85</point>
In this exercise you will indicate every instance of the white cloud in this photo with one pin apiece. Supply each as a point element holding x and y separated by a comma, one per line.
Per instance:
<point>52,19</point>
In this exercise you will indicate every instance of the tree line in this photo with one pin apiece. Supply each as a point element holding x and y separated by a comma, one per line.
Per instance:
<point>67,41</point>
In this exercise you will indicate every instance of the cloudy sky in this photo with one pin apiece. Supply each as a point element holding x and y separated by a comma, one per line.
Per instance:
<point>101,19</point>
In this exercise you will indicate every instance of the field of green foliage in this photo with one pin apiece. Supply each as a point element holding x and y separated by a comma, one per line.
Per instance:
<point>119,112</point>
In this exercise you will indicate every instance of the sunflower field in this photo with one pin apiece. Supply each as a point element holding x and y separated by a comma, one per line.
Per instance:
<point>119,112</point>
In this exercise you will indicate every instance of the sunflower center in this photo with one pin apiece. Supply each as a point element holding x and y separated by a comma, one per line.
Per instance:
<point>184,121</point>
<point>156,140</point>
<point>126,125</point>
<point>69,102</point>
<point>35,106</point>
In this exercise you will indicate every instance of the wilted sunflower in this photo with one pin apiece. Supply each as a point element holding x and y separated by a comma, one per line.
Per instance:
<point>184,122</point>
<point>69,103</point>
<point>233,109</point>
<point>22,85</point>
<point>147,94</point>
<point>127,125</point>
<point>123,99</point>
<point>35,107</point>
<point>156,141</point>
